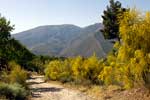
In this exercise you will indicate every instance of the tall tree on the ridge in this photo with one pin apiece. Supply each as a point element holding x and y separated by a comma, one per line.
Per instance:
<point>5,29</point>
<point>11,49</point>
<point>110,21</point>
<point>5,36</point>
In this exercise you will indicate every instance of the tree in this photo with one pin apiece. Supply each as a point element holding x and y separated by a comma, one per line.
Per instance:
<point>110,20</point>
<point>11,49</point>
<point>5,29</point>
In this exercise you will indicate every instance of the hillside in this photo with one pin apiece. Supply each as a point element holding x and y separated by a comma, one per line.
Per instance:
<point>92,43</point>
<point>64,40</point>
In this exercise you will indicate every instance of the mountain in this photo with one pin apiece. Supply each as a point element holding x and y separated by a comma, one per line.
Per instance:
<point>92,43</point>
<point>65,40</point>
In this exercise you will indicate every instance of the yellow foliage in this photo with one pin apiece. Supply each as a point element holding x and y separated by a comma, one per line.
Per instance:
<point>93,67</point>
<point>17,75</point>
<point>135,34</point>
<point>53,69</point>
<point>116,45</point>
<point>106,75</point>
<point>77,68</point>
<point>132,60</point>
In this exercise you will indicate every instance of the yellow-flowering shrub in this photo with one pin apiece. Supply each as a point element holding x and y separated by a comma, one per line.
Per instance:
<point>92,67</point>
<point>77,68</point>
<point>58,70</point>
<point>106,75</point>
<point>130,64</point>
<point>135,34</point>
<point>53,69</point>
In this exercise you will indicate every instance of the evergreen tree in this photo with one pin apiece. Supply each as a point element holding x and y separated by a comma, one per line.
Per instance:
<point>110,20</point>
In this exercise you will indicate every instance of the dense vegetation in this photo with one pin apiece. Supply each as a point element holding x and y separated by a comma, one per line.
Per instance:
<point>12,56</point>
<point>13,83</point>
<point>128,64</point>
<point>74,69</point>
<point>15,61</point>
<point>11,49</point>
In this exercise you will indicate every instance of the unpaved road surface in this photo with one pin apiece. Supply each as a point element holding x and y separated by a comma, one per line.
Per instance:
<point>50,91</point>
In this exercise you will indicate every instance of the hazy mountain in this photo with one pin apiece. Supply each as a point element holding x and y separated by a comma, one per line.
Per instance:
<point>92,43</point>
<point>65,40</point>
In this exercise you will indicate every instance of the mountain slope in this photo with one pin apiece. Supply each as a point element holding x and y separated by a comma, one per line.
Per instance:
<point>93,43</point>
<point>65,40</point>
<point>49,39</point>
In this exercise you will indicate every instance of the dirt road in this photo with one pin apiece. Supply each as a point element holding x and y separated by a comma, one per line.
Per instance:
<point>50,91</point>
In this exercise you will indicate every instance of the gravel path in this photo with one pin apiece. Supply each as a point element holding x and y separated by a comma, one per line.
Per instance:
<point>50,91</point>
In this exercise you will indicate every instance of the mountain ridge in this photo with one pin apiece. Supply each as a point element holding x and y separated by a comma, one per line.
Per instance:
<point>57,40</point>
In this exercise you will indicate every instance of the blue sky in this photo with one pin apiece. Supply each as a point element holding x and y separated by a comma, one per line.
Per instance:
<point>26,14</point>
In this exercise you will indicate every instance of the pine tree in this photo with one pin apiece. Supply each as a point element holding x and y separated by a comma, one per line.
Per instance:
<point>110,20</point>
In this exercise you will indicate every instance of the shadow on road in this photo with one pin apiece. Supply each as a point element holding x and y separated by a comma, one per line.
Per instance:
<point>38,87</point>
<point>50,89</point>
<point>36,94</point>
<point>33,83</point>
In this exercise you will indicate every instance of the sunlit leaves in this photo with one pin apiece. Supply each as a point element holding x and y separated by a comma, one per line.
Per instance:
<point>135,34</point>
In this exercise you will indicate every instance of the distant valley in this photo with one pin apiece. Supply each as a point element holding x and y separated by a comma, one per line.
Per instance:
<point>65,40</point>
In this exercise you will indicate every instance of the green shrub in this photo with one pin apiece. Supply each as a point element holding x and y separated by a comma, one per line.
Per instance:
<point>13,91</point>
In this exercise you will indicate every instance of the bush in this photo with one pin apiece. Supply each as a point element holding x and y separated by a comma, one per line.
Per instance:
<point>129,65</point>
<point>92,68</point>
<point>134,51</point>
<point>13,91</point>
<point>75,69</point>
<point>17,75</point>
<point>58,70</point>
